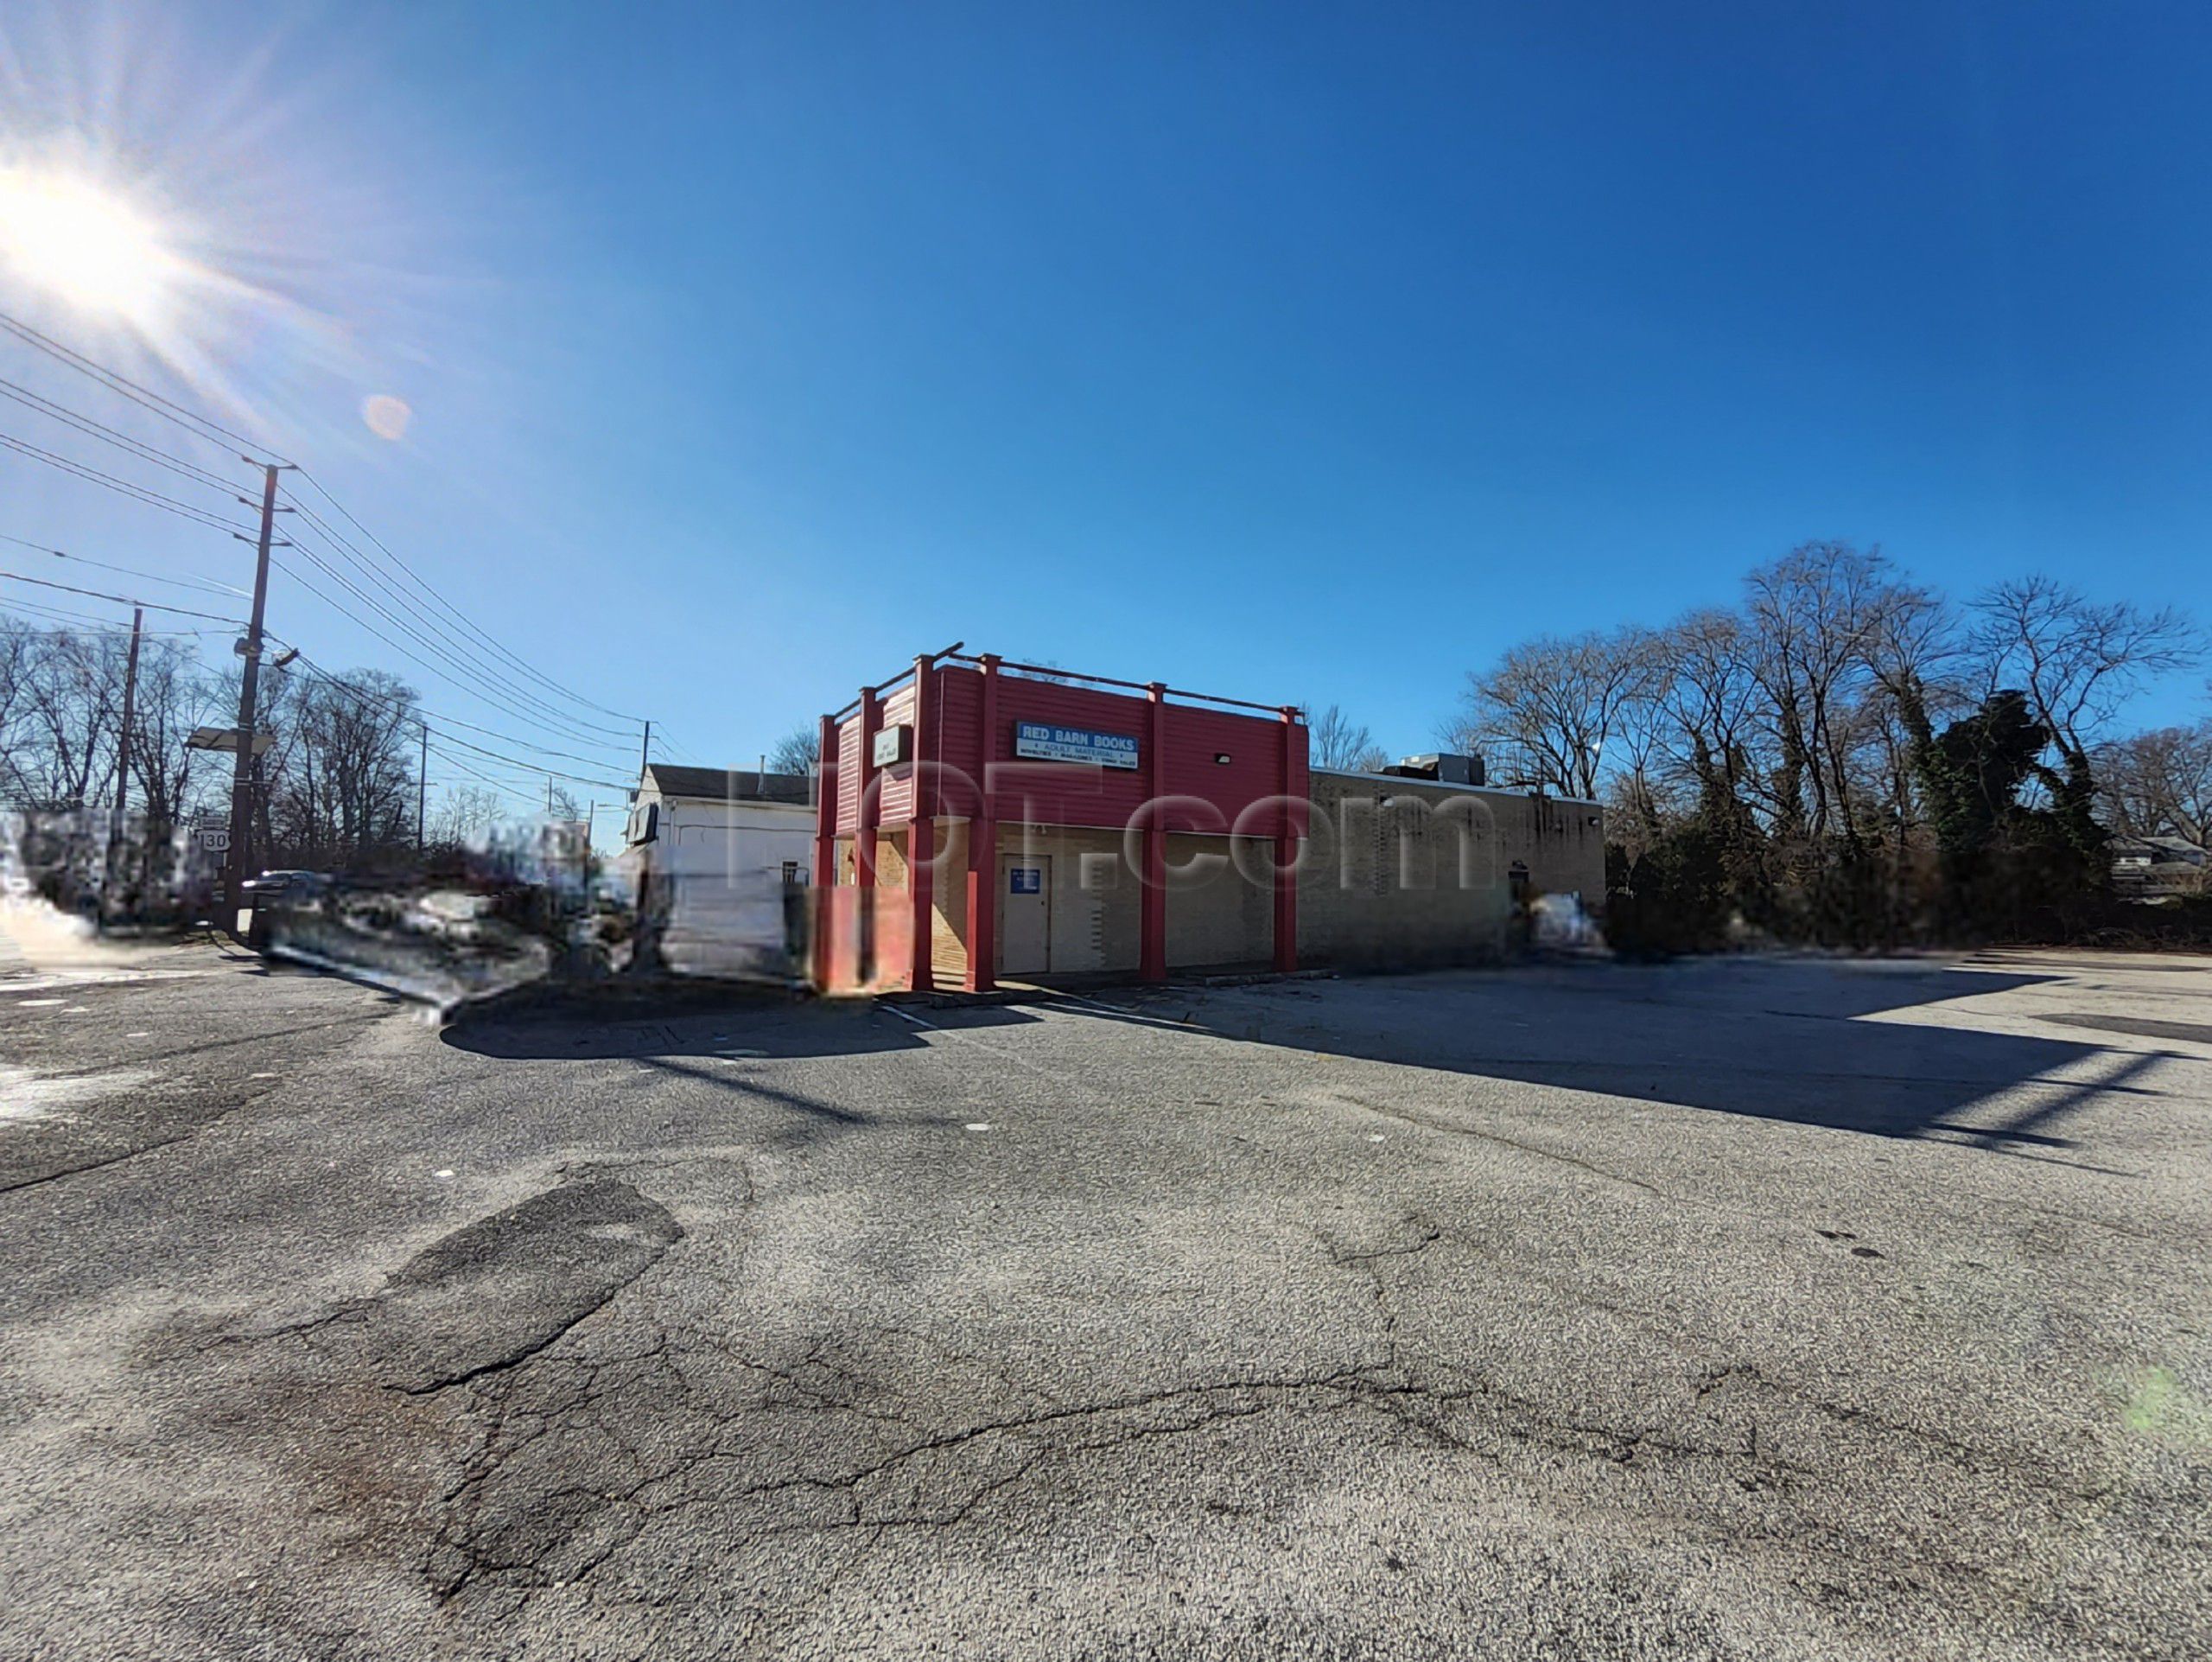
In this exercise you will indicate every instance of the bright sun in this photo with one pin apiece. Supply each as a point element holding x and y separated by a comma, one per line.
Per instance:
<point>82,242</point>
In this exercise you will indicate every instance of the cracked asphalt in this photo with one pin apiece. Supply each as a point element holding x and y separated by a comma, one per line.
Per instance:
<point>1799,1307</point>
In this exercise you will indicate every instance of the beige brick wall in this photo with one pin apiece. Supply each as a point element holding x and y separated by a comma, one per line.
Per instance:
<point>1396,873</point>
<point>1216,917</point>
<point>1093,896</point>
<point>1399,873</point>
<point>1562,842</point>
<point>948,906</point>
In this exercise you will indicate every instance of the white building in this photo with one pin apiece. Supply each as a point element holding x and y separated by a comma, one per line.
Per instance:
<point>714,852</point>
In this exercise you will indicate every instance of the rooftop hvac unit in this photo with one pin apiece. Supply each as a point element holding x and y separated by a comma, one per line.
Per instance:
<point>1446,768</point>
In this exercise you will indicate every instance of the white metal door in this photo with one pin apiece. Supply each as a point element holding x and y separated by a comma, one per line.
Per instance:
<point>1025,913</point>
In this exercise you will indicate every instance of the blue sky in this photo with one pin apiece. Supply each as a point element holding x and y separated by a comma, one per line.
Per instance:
<point>1290,353</point>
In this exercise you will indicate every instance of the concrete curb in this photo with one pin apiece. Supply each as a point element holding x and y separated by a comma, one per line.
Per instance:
<point>620,995</point>
<point>952,999</point>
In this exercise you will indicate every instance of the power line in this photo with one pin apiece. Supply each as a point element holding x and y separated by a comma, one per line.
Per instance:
<point>445,721</point>
<point>211,431</point>
<point>532,767</point>
<point>205,585</point>
<point>422,584</point>
<point>104,626</point>
<point>476,691</point>
<point>168,410</point>
<point>677,747</point>
<point>554,720</point>
<point>418,712</point>
<point>464,767</point>
<point>120,600</point>
<point>99,430</point>
<point>515,791</point>
<point>151,498</point>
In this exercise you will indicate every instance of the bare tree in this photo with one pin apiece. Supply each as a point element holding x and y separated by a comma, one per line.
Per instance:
<point>17,642</point>
<point>345,786</point>
<point>1816,615</point>
<point>175,695</point>
<point>796,751</point>
<point>466,815</point>
<point>69,699</point>
<point>2077,660</point>
<point>2159,783</point>
<point>1334,740</point>
<point>1549,707</point>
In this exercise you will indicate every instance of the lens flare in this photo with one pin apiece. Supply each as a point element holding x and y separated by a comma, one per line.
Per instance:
<point>387,417</point>
<point>83,244</point>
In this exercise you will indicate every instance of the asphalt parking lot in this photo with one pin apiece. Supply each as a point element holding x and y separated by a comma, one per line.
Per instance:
<point>1798,1307</point>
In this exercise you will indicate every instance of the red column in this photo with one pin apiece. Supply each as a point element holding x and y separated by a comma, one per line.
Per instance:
<point>864,842</point>
<point>864,822</point>
<point>825,808</point>
<point>1152,915</point>
<point>1285,877</point>
<point>821,901</point>
<point>921,832</point>
<point>983,848</point>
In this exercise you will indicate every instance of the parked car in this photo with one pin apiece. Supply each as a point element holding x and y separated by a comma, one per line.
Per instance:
<point>287,885</point>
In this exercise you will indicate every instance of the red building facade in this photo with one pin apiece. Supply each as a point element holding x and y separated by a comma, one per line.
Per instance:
<point>975,814</point>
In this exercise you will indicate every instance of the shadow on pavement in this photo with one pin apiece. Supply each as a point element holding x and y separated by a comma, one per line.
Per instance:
<point>1798,1041</point>
<point>727,1027</point>
<point>709,1038</point>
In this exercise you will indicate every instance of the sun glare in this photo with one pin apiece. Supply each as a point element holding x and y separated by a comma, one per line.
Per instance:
<point>82,244</point>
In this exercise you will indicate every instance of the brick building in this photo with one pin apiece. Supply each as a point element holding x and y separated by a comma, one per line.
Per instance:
<point>978,819</point>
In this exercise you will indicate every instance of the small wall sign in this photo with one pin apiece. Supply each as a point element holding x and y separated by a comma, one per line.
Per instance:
<point>893,745</point>
<point>1045,742</point>
<point>1025,880</point>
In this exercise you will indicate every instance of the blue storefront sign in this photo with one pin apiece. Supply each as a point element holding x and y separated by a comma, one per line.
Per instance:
<point>1025,880</point>
<point>1042,741</point>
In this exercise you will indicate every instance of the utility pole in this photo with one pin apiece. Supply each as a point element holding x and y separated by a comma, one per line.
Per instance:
<point>235,864</point>
<point>644,755</point>
<point>422,787</point>
<point>120,820</point>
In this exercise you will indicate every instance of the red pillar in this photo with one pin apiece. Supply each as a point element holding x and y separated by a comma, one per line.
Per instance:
<point>983,848</point>
<point>921,833</point>
<point>1152,915</point>
<point>1286,861</point>
<point>864,840</point>
<point>825,808</point>
<point>825,851</point>
<point>864,821</point>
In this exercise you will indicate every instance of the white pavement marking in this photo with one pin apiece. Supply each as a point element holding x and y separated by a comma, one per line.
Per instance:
<point>35,1004</point>
<point>979,1125</point>
<point>25,1097</point>
<point>1064,1082</point>
<point>95,978</point>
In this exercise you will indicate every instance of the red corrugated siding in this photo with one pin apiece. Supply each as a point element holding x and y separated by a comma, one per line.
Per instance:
<point>897,801</point>
<point>848,773</point>
<point>1061,793</point>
